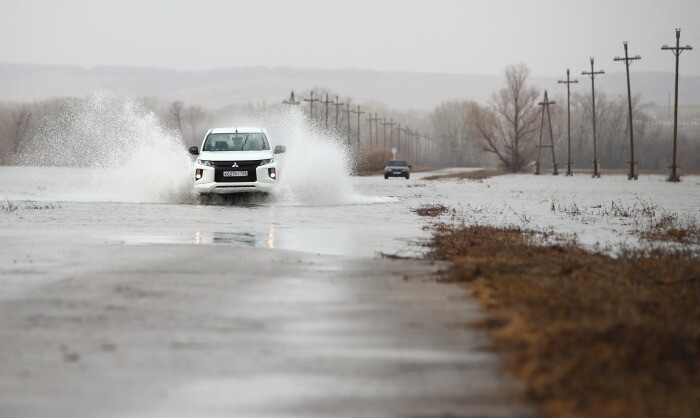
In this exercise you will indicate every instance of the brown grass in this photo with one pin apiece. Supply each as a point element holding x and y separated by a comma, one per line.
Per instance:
<point>670,227</point>
<point>468,175</point>
<point>431,210</point>
<point>592,335</point>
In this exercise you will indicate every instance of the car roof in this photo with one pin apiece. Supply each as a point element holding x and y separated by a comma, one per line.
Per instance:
<point>236,129</point>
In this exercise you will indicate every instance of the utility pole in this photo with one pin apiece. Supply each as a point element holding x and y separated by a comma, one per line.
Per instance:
<point>398,138</point>
<point>568,82</point>
<point>391,132</point>
<point>326,102</point>
<point>347,111</point>
<point>407,141</point>
<point>384,124</point>
<point>311,104</point>
<point>376,120</point>
<point>673,173</point>
<point>337,105</point>
<point>429,147</point>
<point>632,170</point>
<point>593,74</point>
<point>358,123</point>
<point>291,100</point>
<point>545,107</point>
<point>369,121</point>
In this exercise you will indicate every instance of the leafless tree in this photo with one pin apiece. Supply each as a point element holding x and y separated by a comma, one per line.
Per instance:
<point>175,110</point>
<point>452,131</point>
<point>507,125</point>
<point>195,115</point>
<point>21,117</point>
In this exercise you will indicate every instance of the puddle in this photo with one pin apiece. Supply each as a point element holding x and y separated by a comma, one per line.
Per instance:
<point>309,240</point>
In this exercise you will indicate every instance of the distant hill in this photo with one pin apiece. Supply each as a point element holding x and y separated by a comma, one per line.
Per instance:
<point>403,90</point>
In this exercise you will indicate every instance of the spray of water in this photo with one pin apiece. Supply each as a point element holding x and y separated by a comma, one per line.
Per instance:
<point>316,169</point>
<point>129,155</point>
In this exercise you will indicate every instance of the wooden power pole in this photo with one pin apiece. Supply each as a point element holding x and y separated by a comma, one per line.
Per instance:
<point>545,108</point>
<point>593,74</point>
<point>326,102</point>
<point>568,82</point>
<point>632,170</point>
<point>337,105</point>
<point>391,132</point>
<point>376,120</point>
<point>347,111</point>
<point>311,104</point>
<point>291,100</point>
<point>359,114</point>
<point>677,50</point>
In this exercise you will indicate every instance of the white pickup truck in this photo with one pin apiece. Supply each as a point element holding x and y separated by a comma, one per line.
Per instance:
<point>236,160</point>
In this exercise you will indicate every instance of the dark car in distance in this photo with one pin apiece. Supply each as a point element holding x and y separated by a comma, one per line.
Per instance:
<point>397,168</point>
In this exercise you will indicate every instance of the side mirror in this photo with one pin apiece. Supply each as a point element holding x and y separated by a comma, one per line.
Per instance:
<point>410,166</point>
<point>194,151</point>
<point>280,149</point>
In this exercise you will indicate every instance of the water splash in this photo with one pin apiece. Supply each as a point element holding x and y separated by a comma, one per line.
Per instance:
<point>130,156</point>
<point>316,169</point>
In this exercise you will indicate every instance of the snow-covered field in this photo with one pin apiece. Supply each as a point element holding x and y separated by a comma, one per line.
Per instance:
<point>605,211</point>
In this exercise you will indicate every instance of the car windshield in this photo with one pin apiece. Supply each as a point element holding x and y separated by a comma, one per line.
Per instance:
<point>396,163</point>
<point>254,141</point>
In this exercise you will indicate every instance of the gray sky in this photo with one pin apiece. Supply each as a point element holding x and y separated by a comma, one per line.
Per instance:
<point>451,36</point>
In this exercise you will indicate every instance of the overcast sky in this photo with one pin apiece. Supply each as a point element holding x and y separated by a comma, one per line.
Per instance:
<point>450,36</point>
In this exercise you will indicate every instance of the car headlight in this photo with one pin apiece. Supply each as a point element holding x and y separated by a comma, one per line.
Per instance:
<point>204,162</point>
<point>268,161</point>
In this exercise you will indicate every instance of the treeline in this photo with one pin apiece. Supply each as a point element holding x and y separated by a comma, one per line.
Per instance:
<point>508,128</point>
<point>504,131</point>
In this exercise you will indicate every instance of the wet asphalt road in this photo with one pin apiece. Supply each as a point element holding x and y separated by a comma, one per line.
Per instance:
<point>104,313</point>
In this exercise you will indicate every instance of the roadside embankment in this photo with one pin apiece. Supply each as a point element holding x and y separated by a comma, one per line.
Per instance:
<point>591,335</point>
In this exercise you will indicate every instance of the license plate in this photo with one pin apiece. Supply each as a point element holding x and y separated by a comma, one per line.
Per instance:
<point>235,174</point>
<point>397,172</point>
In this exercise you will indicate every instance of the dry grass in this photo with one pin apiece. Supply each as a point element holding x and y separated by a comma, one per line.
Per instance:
<point>9,206</point>
<point>468,175</point>
<point>431,210</point>
<point>670,227</point>
<point>593,336</point>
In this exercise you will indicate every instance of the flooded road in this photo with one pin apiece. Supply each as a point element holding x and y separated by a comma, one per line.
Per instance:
<point>149,307</point>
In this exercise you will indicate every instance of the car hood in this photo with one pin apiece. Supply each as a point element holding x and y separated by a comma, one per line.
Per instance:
<point>235,155</point>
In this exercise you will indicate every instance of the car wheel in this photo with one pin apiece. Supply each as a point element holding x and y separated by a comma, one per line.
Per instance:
<point>407,175</point>
<point>385,177</point>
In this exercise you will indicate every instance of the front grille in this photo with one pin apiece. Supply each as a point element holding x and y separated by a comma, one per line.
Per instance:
<point>241,164</point>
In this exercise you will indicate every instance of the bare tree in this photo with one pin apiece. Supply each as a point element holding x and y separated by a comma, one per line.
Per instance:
<point>451,126</point>
<point>21,117</point>
<point>175,110</point>
<point>195,115</point>
<point>507,125</point>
